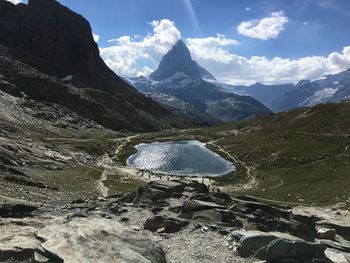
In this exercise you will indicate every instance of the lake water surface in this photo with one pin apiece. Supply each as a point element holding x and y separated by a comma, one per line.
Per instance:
<point>186,158</point>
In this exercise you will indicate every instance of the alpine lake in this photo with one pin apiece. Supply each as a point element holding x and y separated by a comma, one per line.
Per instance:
<point>180,158</point>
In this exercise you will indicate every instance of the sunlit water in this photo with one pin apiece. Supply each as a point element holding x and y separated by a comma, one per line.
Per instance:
<point>187,158</point>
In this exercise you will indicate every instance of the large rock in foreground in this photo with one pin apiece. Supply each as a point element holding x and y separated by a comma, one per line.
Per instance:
<point>78,240</point>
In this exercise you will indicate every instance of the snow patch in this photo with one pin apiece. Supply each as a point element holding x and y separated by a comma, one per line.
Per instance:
<point>68,78</point>
<point>320,96</point>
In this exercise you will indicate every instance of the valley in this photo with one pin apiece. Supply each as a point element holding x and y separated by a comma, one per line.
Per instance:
<point>234,182</point>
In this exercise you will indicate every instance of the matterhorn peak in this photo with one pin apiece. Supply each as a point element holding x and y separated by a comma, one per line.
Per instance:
<point>179,60</point>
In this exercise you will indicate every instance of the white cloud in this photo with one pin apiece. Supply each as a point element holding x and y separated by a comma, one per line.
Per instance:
<point>235,69</point>
<point>219,40</point>
<point>247,9</point>
<point>129,55</point>
<point>127,52</point>
<point>15,1</point>
<point>96,37</point>
<point>266,28</point>
<point>340,61</point>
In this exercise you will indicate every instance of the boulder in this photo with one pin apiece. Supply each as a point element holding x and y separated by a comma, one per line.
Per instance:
<point>197,205</point>
<point>337,256</point>
<point>276,247</point>
<point>158,190</point>
<point>97,240</point>
<point>341,246</point>
<point>342,228</point>
<point>210,216</point>
<point>326,233</point>
<point>283,249</point>
<point>167,224</point>
<point>193,186</point>
<point>267,218</point>
<point>17,240</point>
<point>249,242</point>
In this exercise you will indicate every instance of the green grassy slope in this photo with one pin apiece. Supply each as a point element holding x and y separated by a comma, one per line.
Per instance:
<point>299,156</point>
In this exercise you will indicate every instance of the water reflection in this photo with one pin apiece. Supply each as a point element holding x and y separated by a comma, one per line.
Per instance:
<point>188,158</point>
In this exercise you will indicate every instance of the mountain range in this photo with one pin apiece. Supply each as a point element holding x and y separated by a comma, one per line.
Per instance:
<point>306,93</point>
<point>190,91</point>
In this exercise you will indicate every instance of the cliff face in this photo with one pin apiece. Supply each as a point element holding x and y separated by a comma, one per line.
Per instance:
<point>58,42</point>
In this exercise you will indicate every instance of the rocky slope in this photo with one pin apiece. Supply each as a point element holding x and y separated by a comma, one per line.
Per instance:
<point>172,221</point>
<point>188,90</point>
<point>49,53</point>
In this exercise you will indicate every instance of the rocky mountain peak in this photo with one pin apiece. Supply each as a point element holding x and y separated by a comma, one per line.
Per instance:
<point>179,60</point>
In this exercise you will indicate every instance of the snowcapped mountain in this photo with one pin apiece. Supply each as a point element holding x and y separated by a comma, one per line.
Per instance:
<point>330,88</point>
<point>306,93</point>
<point>188,90</point>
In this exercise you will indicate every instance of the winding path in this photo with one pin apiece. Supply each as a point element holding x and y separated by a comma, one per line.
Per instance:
<point>252,180</point>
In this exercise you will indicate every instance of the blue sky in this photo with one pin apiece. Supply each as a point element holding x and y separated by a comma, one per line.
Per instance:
<point>240,42</point>
<point>327,26</point>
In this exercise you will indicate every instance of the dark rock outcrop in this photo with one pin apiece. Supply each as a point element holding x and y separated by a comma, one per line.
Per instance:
<point>276,247</point>
<point>16,210</point>
<point>58,42</point>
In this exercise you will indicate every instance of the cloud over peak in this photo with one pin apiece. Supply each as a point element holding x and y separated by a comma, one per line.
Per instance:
<point>126,53</point>
<point>265,28</point>
<point>96,37</point>
<point>219,40</point>
<point>131,56</point>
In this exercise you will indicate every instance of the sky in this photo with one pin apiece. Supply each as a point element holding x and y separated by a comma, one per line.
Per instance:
<point>239,42</point>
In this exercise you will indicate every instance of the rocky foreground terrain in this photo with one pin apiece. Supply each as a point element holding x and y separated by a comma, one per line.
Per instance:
<point>172,221</point>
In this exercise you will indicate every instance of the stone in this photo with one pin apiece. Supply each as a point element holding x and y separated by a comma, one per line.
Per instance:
<point>249,242</point>
<point>326,233</point>
<point>211,216</point>
<point>170,225</point>
<point>197,205</point>
<point>343,246</point>
<point>275,246</point>
<point>39,258</point>
<point>267,218</point>
<point>283,249</point>
<point>161,230</point>
<point>158,190</point>
<point>17,240</point>
<point>337,256</point>
<point>342,228</point>
<point>97,240</point>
